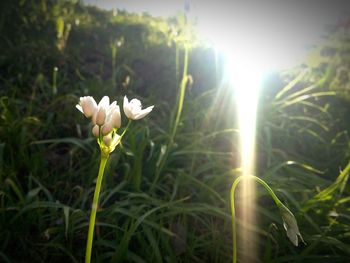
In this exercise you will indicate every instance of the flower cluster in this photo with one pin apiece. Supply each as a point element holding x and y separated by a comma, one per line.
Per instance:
<point>106,118</point>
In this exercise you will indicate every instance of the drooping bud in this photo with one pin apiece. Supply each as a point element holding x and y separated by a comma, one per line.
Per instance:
<point>290,225</point>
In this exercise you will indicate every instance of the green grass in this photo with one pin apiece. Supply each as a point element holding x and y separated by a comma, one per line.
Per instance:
<point>49,159</point>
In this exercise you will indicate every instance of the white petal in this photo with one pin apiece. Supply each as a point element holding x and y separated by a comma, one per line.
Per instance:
<point>144,112</point>
<point>92,101</point>
<point>113,107</point>
<point>126,108</point>
<point>104,102</point>
<point>116,118</point>
<point>126,101</point>
<point>88,105</point>
<point>116,139</point>
<point>136,104</point>
<point>113,104</point>
<point>79,108</point>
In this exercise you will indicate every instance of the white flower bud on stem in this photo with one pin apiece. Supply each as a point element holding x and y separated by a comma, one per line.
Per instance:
<point>290,225</point>
<point>101,116</point>
<point>96,131</point>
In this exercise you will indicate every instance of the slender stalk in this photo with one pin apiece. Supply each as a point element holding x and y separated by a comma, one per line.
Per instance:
<point>182,95</point>
<point>177,63</point>
<point>104,158</point>
<point>114,56</point>
<point>126,128</point>
<point>181,99</point>
<point>233,212</point>
<point>54,81</point>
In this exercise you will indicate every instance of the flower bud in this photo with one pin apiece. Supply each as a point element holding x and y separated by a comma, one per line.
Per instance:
<point>116,118</point>
<point>108,139</point>
<point>88,105</point>
<point>101,116</point>
<point>107,128</point>
<point>290,225</point>
<point>96,131</point>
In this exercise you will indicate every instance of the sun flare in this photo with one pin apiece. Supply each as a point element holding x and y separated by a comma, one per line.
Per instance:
<point>245,73</point>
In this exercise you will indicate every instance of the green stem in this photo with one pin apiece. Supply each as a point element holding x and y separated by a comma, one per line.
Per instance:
<point>232,195</point>
<point>126,128</point>
<point>182,95</point>
<point>181,99</point>
<point>54,81</point>
<point>114,56</point>
<point>104,158</point>
<point>177,64</point>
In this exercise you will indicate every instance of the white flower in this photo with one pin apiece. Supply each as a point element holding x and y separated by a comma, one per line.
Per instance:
<point>87,105</point>
<point>133,109</point>
<point>290,225</point>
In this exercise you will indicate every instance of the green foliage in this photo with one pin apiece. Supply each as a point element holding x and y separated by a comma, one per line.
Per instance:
<point>49,160</point>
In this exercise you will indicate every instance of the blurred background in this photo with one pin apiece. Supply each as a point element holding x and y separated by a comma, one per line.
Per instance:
<point>166,191</point>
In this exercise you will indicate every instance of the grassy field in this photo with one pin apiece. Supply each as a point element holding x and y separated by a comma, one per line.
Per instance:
<point>166,192</point>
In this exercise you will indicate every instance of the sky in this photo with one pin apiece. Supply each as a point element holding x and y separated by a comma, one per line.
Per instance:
<point>270,27</point>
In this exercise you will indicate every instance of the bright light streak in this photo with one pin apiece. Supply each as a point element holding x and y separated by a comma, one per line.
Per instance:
<point>245,71</point>
<point>245,74</point>
<point>246,77</point>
